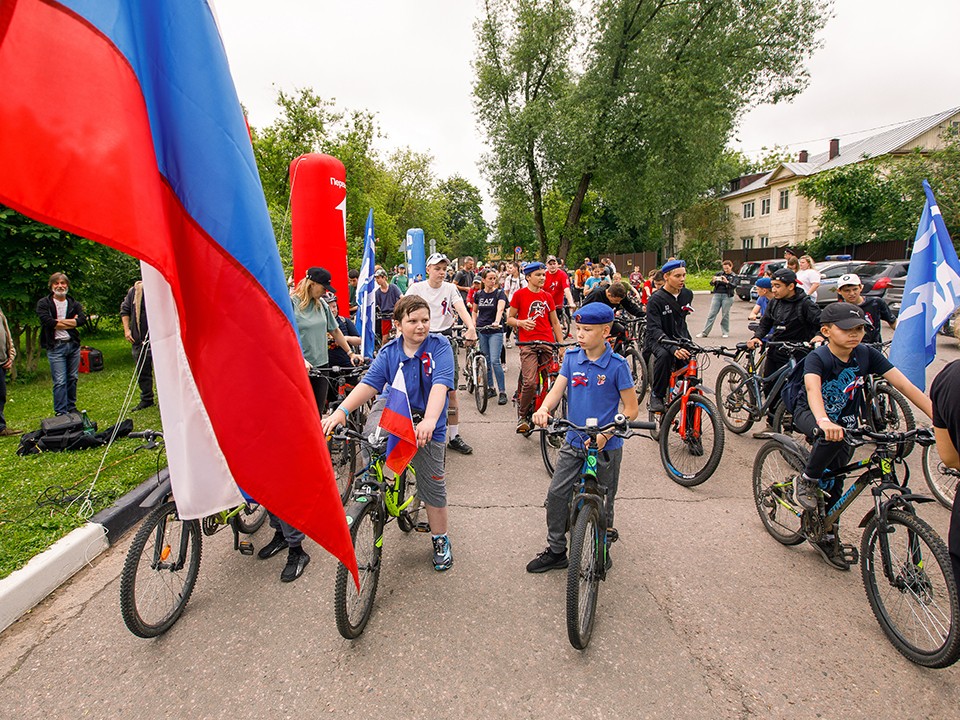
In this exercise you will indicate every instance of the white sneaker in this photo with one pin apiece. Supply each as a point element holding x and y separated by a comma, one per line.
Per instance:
<point>725,335</point>
<point>702,335</point>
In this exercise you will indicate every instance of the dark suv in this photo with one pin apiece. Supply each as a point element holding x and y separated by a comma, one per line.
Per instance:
<point>753,269</point>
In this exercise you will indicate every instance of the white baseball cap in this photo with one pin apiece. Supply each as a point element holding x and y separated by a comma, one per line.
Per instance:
<point>436,259</point>
<point>848,279</point>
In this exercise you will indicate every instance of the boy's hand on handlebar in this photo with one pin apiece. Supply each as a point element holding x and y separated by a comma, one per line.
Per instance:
<point>682,354</point>
<point>831,431</point>
<point>541,417</point>
<point>330,423</point>
<point>753,343</point>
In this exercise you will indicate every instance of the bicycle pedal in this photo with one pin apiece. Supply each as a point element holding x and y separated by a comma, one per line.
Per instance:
<point>245,547</point>
<point>422,527</point>
<point>612,535</point>
<point>850,554</point>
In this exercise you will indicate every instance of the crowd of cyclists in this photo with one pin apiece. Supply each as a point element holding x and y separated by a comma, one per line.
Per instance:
<point>540,304</point>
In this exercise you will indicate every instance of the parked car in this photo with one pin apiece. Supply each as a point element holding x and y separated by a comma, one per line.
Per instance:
<point>750,271</point>
<point>875,276</point>
<point>894,298</point>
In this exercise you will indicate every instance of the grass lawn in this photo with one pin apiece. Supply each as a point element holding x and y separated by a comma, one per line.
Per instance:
<point>36,490</point>
<point>700,280</point>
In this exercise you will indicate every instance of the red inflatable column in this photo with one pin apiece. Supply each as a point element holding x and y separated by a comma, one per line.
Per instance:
<point>318,212</point>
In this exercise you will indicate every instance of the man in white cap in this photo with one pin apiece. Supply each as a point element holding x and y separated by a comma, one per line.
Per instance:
<point>849,288</point>
<point>445,304</point>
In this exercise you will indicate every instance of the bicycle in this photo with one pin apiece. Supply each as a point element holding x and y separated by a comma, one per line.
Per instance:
<point>163,562</point>
<point>739,387</point>
<point>590,538</point>
<point>547,373</point>
<point>904,564</point>
<point>691,420</point>
<point>628,344</point>
<point>476,369</point>
<point>375,502</point>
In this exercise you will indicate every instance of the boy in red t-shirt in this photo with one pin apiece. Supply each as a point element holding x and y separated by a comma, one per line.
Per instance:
<point>533,313</point>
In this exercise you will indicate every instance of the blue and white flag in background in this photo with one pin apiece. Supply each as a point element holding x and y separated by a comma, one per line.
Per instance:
<point>366,287</point>
<point>930,297</point>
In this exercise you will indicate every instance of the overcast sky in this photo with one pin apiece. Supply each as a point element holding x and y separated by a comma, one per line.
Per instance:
<point>409,61</point>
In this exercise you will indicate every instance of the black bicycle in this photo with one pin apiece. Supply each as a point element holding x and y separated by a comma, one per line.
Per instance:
<point>904,563</point>
<point>628,344</point>
<point>590,538</point>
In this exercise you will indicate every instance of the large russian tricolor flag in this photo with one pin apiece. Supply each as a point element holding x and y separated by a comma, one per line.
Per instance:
<point>119,121</point>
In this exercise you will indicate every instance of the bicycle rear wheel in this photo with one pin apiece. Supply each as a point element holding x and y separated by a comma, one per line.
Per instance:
<point>408,518</point>
<point>583,576</point>
<point>735,399</point>
<point>916,604</point>
<point>468,373</point>
<point>693,457</point>
<point>159,572</point>
<point>638,370</point>
<point>550,444</point>
<point>352,607</point>
<point>250,518</point>
<point>773,471</point>
<point>941,479</point>
<point>480,394</point>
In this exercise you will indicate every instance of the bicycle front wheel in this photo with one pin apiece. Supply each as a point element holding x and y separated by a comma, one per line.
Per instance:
<point>343,456</point>
<point>638,370</point>
<point>550,444</point>
<point>735,399</point>
<point>773,472</point>
<point>480,394</point>
<point>159,572</point>
<point>352,606</point>
<point>941,479</point>
<point>913,594</point>
<point>890,412</point>
<point>250,518</point>
<point>691,442</point>
<point>583,576</point>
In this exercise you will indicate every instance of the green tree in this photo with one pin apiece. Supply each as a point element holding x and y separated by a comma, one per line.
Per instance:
<point>467,232</point>
<point>709,232</point>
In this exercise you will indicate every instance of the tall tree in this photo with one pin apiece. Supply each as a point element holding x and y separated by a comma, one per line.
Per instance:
<point>466,230</point>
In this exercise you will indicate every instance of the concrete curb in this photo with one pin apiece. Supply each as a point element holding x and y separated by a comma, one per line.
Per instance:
<point>25,588</point>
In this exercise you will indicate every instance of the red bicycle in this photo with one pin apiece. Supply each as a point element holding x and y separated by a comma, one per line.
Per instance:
<point>689,431</point>
<point>547,373</point>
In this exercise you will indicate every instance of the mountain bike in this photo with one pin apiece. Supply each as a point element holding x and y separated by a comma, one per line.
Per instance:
<point>739,387</point>
<point>476,370</point>
<point>163,562</point>
<point>547,374</point>
<point>628,344</point>
<point>904,564</point>
<point>376,500</point>
<point>590,538</point>
<point>689,430</point>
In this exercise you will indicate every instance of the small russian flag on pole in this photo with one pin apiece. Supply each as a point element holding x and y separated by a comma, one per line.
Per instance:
<point>397,421</point>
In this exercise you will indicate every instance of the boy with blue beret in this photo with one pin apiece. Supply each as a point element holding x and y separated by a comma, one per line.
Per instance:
<point>596,380</point>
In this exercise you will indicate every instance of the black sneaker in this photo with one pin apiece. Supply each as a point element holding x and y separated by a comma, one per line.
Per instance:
<point>765,433</point>
<point>656,404</point>
<point>547,560</point>
<point>491,393</point>
<point>457,443</point>
<point>832,553</point>
<point>503,399</point>
<point>143,405</point>
<point>272,547</point>
<point>806,492</point>
<point>297,561</point>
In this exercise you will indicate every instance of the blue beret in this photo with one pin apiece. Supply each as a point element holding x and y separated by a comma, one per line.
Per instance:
<point>671,265</point>
<point>533,267</point>
<point>764,282</point>
<point>595,313</point>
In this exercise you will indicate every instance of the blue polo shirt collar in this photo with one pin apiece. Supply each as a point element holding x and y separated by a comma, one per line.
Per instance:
<point>601,361</point>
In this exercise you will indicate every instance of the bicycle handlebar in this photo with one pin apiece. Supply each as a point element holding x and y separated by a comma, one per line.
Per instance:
<point>546,343</point>
<point>146,434</point>
<point>923,436</point>
<point>619,424</point>
<point>694,348</point>
<point>335,371</point>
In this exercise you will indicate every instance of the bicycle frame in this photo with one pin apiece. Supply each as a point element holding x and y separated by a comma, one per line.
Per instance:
<point>590,492</point>
<point>683,383</point>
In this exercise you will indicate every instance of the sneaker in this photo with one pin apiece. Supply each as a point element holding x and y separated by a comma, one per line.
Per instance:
<point>763,434</point>
<point>143,405</point>
<point>831,551</point>
<point>609,563</point>
<point>457,443</point>
<point>272,547</point>
<point>491,393</point>
<point>442,553</point>
<point>547,560</point>
<point>656,404</point>
<point>725,335</point>
<point>509,343</point>
<point>10,432</point>
<point>523,426</point>
<point>702,335</point>
<point>297,561</point>
<point>502,399</point>
<point>805,492</point>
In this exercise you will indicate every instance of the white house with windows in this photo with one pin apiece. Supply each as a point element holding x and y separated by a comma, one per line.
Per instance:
<point>765,208</point>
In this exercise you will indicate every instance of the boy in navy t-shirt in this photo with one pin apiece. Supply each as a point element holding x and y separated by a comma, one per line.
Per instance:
<point>596,381</point>
<point>833,377</point>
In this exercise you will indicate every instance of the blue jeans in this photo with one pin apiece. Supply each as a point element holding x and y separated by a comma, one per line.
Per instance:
<point>719,301</point>
<point>64,360</point>
<point>490,345</point>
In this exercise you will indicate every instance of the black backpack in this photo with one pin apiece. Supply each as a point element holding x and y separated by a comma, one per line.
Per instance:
<point>794,387</point>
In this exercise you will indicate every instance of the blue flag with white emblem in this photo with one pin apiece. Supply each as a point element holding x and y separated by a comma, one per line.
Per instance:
<point>930,297</point>
<point>366,287</point>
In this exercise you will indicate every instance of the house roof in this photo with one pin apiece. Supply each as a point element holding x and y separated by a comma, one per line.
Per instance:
<point>883,143</point>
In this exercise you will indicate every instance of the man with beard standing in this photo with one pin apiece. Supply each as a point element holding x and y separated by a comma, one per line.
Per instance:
<point>60,316</point>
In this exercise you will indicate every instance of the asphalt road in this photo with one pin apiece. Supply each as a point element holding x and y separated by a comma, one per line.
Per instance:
<point>703,616</point>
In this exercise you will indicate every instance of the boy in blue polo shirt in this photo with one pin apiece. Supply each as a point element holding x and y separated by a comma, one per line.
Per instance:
<point>596,381</point>
<point>427,362</point>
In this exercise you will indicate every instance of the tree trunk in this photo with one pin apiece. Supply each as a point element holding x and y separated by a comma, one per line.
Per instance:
<point>573,216</point>
<point>537,193</point>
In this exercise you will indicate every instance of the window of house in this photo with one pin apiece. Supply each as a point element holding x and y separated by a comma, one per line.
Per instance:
<point>748,209</point>
<point>764,241</point>
<point>765,206</point>
<point>784,199</point>
<point>747,242</point>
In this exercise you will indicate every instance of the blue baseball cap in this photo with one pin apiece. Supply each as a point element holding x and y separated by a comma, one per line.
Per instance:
<point>764,282</point>
<point>672,265</point>
<point>533,267</point>
<point>595,313</point>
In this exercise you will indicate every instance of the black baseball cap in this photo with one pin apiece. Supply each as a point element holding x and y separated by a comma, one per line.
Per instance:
<point>786,276</point>
<point>844,315</point>
<point>322,276</point>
